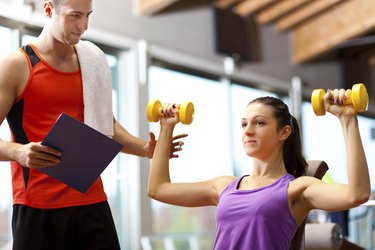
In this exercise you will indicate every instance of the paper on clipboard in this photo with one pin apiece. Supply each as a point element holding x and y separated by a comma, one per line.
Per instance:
<point>85,152</point>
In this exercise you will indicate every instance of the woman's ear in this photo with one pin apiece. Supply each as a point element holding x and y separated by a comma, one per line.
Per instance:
<point>47,8</point>
<point>285,132</point>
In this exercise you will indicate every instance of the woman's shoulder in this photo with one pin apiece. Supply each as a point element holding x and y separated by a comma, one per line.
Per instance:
<point>222,182</point>
<point>225,179</point>
<point>306,179</point>
<point>298,185</point>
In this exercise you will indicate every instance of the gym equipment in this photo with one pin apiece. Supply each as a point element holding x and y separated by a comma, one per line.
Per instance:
<point>186,111</point>
<point>325,236</point>
<point>358,97</point>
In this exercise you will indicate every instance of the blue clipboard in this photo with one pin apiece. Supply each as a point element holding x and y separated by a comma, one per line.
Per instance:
<point>85,152</point>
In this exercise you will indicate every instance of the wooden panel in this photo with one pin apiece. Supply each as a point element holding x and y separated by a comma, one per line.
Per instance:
<point>347,20</point>
<point>279,9</point>
<point>225,3</point>
<point>149,7</point>
<point>305,12</point>
<point>249,7</point>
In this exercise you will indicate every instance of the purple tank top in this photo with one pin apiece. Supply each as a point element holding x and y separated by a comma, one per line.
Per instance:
<point>258,219</point>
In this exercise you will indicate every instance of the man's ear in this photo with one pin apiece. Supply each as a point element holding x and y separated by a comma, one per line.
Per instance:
<point>48,8</point>
<point>285,132</point>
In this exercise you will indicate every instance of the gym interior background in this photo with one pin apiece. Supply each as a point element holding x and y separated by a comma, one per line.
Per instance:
<point>219,55</point>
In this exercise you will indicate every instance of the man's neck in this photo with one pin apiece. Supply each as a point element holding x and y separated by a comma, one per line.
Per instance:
<point>50,46</point>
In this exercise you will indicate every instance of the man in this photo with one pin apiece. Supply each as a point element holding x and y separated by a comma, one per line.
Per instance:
<point>37,84</point>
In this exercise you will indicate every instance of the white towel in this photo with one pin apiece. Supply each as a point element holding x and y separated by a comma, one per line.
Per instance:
<point>97,87</point>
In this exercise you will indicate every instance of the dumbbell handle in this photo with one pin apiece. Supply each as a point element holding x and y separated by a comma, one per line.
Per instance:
<point>160,113</point>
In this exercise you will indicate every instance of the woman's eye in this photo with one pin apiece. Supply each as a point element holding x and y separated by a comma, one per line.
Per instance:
<point>243,125</point>
<point>259,123</point>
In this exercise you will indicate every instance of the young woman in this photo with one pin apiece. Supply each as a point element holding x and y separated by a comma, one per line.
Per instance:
<point>262,210</point>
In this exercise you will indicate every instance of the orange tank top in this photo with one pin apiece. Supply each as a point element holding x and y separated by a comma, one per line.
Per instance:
<point>47,94</point>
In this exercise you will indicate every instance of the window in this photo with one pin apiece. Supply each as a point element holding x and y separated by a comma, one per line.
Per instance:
<point>205,153</point>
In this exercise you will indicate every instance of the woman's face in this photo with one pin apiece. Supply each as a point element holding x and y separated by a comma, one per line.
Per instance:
<point>260,136</point>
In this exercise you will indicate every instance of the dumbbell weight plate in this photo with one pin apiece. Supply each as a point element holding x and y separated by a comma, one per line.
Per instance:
<point>317,101</point>
<point>360,97</point>
<point>186,112</point>
<point>153,110</point>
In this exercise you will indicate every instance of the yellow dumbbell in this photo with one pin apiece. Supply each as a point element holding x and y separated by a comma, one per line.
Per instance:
<point>358,97</point>
<point>186,111</point>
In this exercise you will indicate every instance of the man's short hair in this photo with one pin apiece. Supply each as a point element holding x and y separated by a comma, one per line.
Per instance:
<point>56,3</point>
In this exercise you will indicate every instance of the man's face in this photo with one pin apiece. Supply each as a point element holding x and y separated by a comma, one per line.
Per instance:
<point>70,21</point>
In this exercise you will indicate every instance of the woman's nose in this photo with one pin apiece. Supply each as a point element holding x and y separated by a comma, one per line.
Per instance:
<point>249,130</point>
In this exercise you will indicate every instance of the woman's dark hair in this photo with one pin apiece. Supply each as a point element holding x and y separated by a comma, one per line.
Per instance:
<point>294,161</point>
